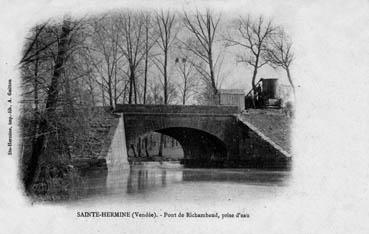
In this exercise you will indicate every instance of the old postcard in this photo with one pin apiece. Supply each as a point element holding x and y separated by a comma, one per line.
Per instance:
<point>184,116</point>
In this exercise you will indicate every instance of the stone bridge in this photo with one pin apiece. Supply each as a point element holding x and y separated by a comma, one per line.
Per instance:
<point>209,135</point>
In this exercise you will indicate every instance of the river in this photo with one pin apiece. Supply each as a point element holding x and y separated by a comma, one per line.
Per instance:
<point>170,181</point>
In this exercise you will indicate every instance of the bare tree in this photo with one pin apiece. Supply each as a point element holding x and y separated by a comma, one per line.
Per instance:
<point>36,45</point>
<point>37,63</point>
<point>165,26</point>
<point>147,26</point>
<point>279,54</point>
<point>188,74</point>
<point>165,22</point>
<point>104,55</point>
<point>133,47</point>
<point>253,35</point>
<point>89,80</point>
<point>154,94</point>
<point>204,28</point>
<point>51,102</point>
<point>150,40</point>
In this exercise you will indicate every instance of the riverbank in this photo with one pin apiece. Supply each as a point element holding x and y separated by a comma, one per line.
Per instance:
<point>73,149</point>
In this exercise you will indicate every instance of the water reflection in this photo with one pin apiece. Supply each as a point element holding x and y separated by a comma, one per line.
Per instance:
<point>171,181</point>
<point>146,176</point>
<point>236,176</point>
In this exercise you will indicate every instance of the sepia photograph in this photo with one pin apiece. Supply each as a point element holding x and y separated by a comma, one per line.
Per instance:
<point>194,117</point>
<point>126,102</point>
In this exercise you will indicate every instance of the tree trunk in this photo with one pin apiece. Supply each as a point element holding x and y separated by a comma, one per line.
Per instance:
<point>253,79</point>
<point>102,93</point>
<point>291,82</point>
<point>115,87</point>
<point>53,90</point>
<point>38,146</point>
<point>135,90</point>
<point>36,78</point>
<point>161,145</point>
<point>139,144</point>
<point>212,77</point>
<point>134,151</point>
<point>254,86</point>
<point>110,91</point>
<point>147,152</point>
<point>184,91</point>
<point>145,83</point>
<point>165,77</point>
<point>68,95</point>
<point>131,78</point>
<point>146,63</point>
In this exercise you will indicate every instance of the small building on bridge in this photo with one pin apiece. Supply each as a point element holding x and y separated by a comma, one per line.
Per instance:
<point>232,97</point>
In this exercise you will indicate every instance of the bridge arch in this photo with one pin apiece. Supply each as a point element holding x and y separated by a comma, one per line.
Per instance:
<point>198,145</point>
<point>212,130</point>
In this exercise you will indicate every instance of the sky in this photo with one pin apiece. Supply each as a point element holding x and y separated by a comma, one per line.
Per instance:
<point>236,75</point>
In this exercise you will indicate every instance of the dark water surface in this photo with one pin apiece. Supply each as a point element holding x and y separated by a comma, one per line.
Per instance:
<point>171,182</point>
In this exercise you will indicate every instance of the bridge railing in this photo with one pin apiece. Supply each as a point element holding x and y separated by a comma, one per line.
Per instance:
<point>193,109</point>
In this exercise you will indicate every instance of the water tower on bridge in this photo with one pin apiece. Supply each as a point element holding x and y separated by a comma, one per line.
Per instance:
<point>265,94</point>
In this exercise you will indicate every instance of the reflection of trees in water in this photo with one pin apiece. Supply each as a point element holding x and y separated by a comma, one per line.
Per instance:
<point>143,179</point>
<point>163,178</point>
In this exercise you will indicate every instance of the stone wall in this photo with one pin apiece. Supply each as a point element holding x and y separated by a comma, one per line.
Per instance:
<point>258,150</point>
<point>172,109</point>
<point>101,127</point>
<point>211,135</point>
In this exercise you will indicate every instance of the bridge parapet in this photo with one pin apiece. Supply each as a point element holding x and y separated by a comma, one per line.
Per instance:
<point>177,109</point>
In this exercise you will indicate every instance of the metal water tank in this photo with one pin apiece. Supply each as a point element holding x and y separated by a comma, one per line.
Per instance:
<point>269,88</point>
